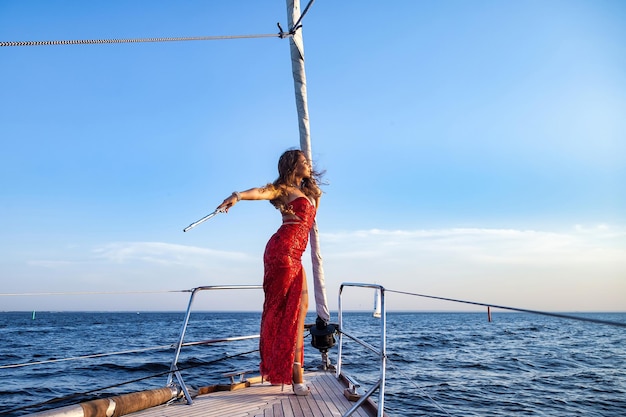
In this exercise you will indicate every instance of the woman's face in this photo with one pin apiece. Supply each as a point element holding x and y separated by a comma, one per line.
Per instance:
<point>302,169</point>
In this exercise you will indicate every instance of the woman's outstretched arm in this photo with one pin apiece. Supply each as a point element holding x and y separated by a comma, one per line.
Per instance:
<point>258,193</point>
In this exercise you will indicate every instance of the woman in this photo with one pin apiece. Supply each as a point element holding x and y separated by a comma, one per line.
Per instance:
<point>296,194</point>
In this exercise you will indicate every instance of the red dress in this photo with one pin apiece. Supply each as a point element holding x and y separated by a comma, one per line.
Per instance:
<point>282,284</point>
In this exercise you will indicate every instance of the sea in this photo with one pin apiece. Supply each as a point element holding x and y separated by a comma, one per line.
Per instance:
<point>438,364</point>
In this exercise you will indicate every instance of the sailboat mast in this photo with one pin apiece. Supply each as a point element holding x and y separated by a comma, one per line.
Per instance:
<point>299,79</point>
<point>296,44</point>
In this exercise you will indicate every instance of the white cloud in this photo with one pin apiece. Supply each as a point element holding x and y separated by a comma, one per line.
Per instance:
<point>581,269</point>
<point>506,246</point>
<point>584,268</point>
<point>165,254</point>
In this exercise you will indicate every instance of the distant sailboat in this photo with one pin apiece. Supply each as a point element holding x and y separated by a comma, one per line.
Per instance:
<point>376,303</point>
<point>33,314</point>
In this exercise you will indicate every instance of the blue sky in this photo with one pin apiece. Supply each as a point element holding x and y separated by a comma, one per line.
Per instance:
<point>473,150</point>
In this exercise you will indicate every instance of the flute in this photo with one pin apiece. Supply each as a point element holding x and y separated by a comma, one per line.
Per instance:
<point>202,220</point>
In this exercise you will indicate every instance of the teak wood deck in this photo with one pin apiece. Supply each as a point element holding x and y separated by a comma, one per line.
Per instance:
<point>266,400</point>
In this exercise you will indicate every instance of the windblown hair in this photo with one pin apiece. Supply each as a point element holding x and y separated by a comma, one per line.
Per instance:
<point>286,178</point>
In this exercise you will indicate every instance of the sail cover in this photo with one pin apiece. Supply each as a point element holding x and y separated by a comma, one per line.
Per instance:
<point>299,78</point>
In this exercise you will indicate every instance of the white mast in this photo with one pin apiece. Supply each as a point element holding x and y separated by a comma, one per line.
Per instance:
<point>299,79</point>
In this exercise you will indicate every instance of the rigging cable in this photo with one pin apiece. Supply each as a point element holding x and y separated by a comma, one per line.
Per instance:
<point>125,352</point>
<point>142,40</point>
<point>96,355</point>
<point>25,294</point>
<point>297,25</point>
<point>522,310</point>
<point>280,35</point>
<point>78,394</point>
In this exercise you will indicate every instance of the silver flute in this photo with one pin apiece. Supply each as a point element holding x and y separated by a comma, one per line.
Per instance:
<point>202,220</point>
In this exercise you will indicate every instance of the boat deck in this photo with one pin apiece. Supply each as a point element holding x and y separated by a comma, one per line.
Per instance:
<point>266,400</point>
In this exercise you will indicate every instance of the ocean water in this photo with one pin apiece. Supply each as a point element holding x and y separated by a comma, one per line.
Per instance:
<point>439,364</point>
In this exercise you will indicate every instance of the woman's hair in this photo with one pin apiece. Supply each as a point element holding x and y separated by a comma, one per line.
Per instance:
<point>286,178</point>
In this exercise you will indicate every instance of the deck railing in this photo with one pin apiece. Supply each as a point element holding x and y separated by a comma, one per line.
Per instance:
<point>380,352</point>
<point>174,371</point>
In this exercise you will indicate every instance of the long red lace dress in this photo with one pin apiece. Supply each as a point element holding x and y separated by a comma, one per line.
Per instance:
<point>282,284</point>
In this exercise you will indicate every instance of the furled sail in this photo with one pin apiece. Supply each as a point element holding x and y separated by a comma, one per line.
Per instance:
<point>299,79</point>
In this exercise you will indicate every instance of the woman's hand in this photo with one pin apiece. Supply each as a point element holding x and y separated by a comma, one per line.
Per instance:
<point>229,202</point>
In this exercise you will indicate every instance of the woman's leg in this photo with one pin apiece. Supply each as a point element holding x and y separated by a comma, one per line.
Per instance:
<point>298,353</point>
